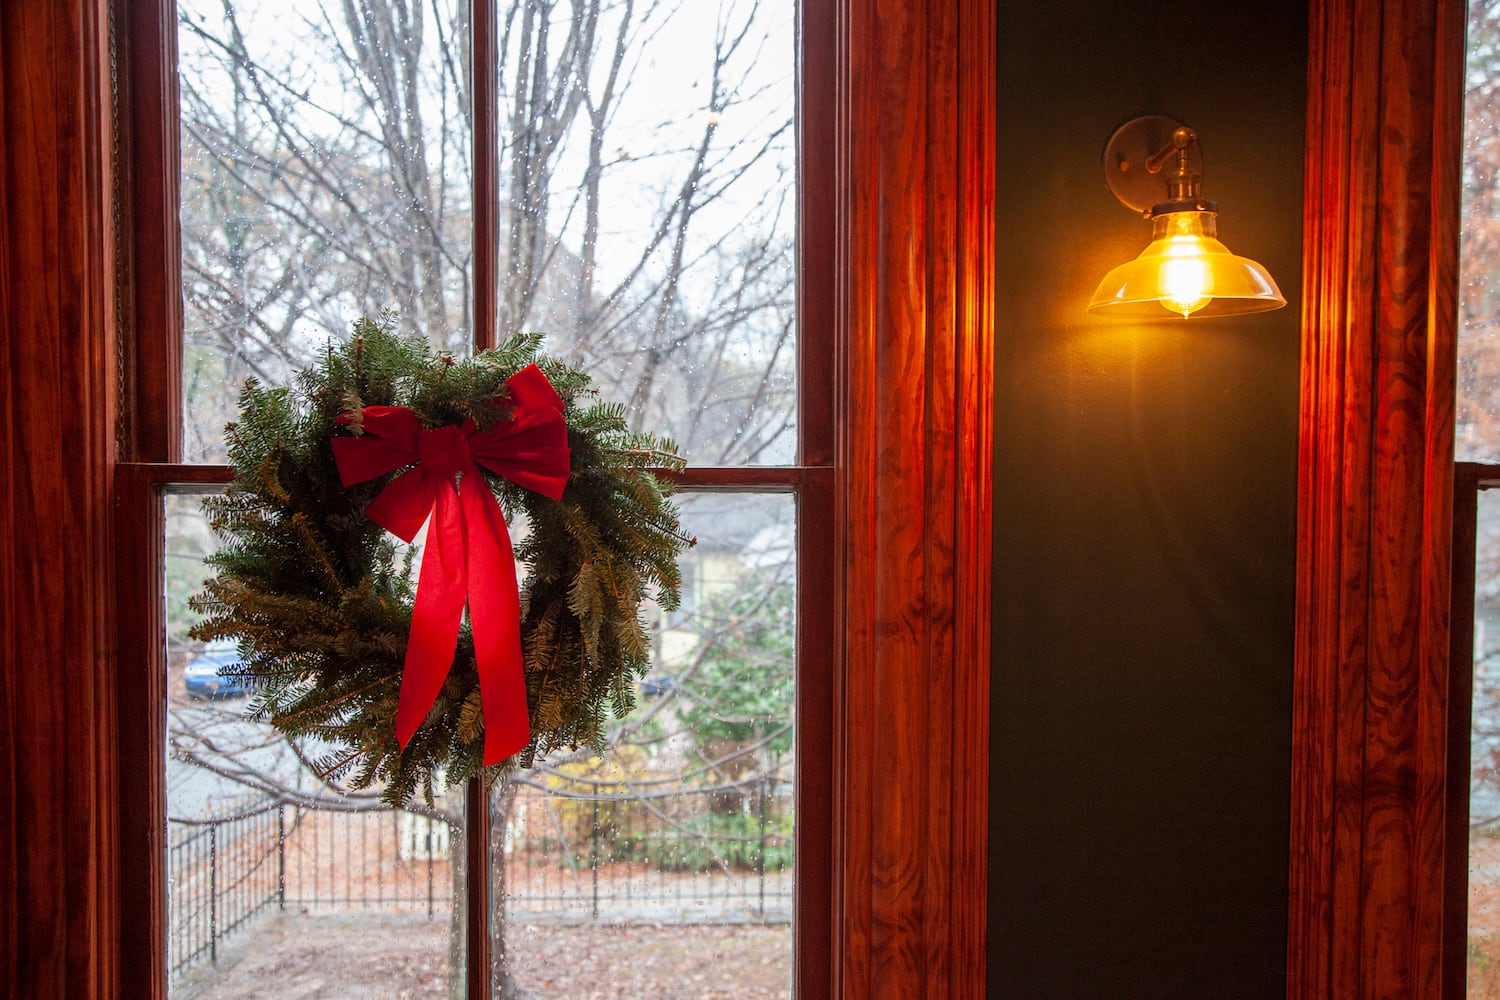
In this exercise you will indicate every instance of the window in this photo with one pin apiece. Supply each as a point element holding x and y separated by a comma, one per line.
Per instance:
<point>1477,437</point>
<point>1476,669</point>
<point>897,251</point>
<point>619,176</point>
<point>1472,888</point>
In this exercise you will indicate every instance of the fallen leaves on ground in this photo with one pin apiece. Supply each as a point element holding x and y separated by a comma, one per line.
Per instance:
<point>623,963</point>
<point>405,957</point>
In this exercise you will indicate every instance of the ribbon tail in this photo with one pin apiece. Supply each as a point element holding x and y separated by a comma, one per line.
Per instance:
<point>495,617</point>
<point>435,618</point>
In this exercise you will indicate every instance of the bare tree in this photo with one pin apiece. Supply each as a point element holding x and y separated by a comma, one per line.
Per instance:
<point>330,177</point>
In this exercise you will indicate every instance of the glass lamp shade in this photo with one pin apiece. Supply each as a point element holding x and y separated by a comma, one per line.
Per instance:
<point>1187,271</point>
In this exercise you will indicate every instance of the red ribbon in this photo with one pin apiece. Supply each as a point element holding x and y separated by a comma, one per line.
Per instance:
<point>468,555</point>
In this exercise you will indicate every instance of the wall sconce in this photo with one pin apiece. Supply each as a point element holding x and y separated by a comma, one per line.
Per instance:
<point>1185,270</point>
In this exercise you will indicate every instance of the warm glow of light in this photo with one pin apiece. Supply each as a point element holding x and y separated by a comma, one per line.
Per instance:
<point>1186,284</point>
<point>1187,271</point>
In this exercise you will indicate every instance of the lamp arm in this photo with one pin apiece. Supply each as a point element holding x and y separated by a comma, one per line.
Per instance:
<point>1185,183</point>
<point>1182,140</point>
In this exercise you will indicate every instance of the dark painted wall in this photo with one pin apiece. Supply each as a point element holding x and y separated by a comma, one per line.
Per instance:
<point>1145,506</point>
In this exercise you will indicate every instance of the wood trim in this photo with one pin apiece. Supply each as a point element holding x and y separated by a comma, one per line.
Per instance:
<point>484,81</point>
<point>818,183</point>
<point>1375,498</point>
<point>58,823</point>
<point>815,907</point>
<point>141,727</point>
<point>967,861</point>
<point>1467,480</point>
<point>477,906</point>
<point>152,268</point>
<point>161,475</point>
<point>749,478</point>
<point>915,231</point>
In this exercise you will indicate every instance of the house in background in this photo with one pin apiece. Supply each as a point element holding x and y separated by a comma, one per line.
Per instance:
<point>1139,679</point>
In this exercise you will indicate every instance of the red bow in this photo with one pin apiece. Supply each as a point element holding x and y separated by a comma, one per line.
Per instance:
<point>468,554</point>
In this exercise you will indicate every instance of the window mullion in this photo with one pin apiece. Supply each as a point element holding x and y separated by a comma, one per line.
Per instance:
<point>483,71</point>
<point>477,889</point>
<point>151,321</point>
<point>483,82</point>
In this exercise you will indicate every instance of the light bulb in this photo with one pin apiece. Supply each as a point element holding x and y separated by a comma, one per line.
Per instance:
<point>1186,285</point>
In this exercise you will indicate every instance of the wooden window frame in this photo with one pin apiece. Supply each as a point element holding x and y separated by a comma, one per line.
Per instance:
<point>897,243</point>
<point>59,833</point>
<point>908,218</point>
<point>1469,480</point>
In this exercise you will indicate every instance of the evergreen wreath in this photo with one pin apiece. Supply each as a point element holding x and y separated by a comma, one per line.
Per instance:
<point>320,597</point>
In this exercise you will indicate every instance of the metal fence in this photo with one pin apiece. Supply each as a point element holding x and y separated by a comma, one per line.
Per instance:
<point>572,855</point>
<point>222,872</point>
<point>590,853</point>
<point>219,875</point>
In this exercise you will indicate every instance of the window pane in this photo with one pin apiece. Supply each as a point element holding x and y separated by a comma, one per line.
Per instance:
<point>646,218</point>
<point>280,883</point>
<point>665,868</point>
<point>647,210</point>
<point>1478,429</point>
<point>326,173</point>
<point>1484,759</point>
<point>1478,439</point>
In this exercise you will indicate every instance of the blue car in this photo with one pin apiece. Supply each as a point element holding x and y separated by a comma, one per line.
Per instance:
<point>208,675</point>
<point>657,685</point>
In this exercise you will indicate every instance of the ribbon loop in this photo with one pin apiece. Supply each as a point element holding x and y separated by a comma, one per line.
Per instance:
<point>468,557</point>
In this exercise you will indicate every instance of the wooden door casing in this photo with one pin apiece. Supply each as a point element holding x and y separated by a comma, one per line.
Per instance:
<point>1375,499</point>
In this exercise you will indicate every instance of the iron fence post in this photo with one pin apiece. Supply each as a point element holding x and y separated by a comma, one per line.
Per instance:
<point>760,857</point>
<point>213,893</point>
<point>594,859</point>
<point>281,855</point>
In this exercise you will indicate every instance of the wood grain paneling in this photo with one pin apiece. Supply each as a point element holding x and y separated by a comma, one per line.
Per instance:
<point>57,403</point>
<point>1375,494</point>
<point>916,241</point>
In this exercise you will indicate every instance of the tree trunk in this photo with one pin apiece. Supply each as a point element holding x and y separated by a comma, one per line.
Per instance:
<point>458,931</point>
<point>502,798</point>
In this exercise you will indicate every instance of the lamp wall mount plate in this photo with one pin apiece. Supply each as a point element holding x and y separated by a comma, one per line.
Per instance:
<point>1128,156</point>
